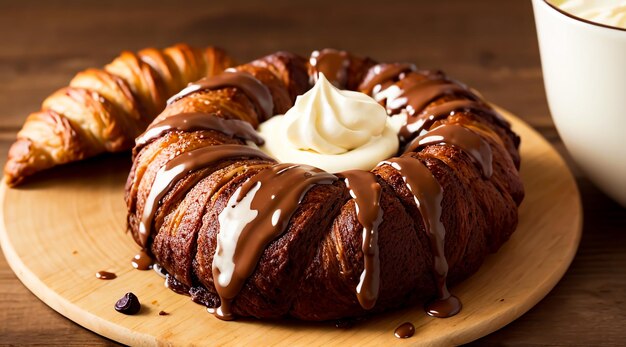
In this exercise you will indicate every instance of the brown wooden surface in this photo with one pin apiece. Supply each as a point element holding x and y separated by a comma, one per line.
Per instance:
<point>490,45</point>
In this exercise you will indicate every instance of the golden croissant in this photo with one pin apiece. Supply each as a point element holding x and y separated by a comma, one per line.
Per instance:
<point>103,110</point>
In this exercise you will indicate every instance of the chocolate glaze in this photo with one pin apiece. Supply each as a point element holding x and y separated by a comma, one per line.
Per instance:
<point>142,261</point>
<point>105,275</point>
<point>418,94</point>
<point>404,330</point>
<point>428,196</point>
<point>199,121</point>
<point>366,192</point>
<point>280,189</point>
<point>380,73</point>
<point>422,122</point>
<point>332,63</point>
<point>403,89</point>
<point>180,166</point>
<point>258,93</point>
<point>461,137</point>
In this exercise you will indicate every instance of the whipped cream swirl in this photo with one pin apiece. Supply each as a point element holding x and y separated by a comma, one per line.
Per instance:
<point>328,120</point>
<point>332,129</point>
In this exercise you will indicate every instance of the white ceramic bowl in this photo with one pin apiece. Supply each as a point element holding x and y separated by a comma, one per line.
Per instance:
<point>584,71</point>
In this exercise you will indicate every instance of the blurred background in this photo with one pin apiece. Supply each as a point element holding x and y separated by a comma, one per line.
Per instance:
<point>490,45</point>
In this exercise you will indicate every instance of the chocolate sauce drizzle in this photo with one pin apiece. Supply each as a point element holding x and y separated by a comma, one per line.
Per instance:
<point>332,63</point>
<point>378,74</point>
<point>428,195</point>
<point>199,121</point>
<point>366,192</point>
<point>413,94</point>
<point>402,88</point>
<point>278,191</point>
<point>258,93</point>
<point>459,136</point>
<point>422,122</point>
<point>180,166</point>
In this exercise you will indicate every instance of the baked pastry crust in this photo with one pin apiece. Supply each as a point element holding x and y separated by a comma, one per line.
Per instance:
<point>311,269</point>
<point>103,110</point>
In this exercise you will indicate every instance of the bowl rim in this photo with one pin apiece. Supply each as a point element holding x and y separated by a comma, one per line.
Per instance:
<point>580,19</point>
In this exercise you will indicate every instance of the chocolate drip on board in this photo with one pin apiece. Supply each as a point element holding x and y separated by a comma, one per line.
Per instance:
<point>428,195</point>
<point>192,121</point>
<point>459,136</point>
<point>256,91</point>
<point>270,198</point>
<point>142,261</point>
<point>404,330</point>
<point>332,63</point>
<point>443,306</point>
<point>182,165</point>
<point>366,192</point>
<point>105,275</point>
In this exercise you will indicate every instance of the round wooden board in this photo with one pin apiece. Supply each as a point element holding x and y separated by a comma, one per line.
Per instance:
<point>60,229</point>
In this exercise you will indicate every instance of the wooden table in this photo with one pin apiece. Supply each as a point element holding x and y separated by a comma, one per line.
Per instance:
<point>490,45</point>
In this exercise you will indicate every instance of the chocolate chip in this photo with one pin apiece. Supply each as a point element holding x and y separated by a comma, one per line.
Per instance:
<point>163,313</point>
<point>128,304</point>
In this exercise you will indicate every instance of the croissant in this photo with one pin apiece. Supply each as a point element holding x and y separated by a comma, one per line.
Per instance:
<point>103,110</point>
<point>426,219</point>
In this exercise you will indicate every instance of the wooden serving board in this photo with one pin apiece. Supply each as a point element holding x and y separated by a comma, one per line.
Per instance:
<point>60,229</point>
